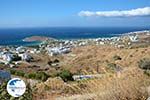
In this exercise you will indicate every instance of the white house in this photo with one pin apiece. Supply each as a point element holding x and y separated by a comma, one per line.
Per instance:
<point>7,57</point>
<point>82,43</point>
<point>33,51</point>
<point>25,56</point>
<point>133,38</point>
<point>58,50</point>
<point>20,49</point>
<point>1,54</point>
<point>101,43</point>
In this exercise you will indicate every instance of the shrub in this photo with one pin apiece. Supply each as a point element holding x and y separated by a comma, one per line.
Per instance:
<point>38,76</point>
<point>31,75</point>
<point>19,73</point>
<point>116,57</point>
<point>144,63</point>
<point>12,71</point>
<point>42,76</point>
<point>3,92</point>
<point>66,75</point>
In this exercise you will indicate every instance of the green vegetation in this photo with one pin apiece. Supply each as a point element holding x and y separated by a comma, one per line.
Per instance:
<point>12,71</point>
<point>17,72</point>
<point>42,76</point>
<point>3,92</point>
<point>5,96</point>
<point>144,63</point>
<point>38,76</point>
<point>66,75</point>
<point>31,75</point>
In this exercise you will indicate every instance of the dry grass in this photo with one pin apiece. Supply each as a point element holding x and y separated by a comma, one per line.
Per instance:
<point>129,85</point>
<point>89,57</point>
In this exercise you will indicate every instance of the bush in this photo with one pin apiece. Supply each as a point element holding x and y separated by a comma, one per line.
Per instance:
<point>38,76</point>
<point>116,57</point>
<point>66,75</point>
<point>12,71</point>
<point>42,76</point>
<point>31,75</point>
<point>144,63</point>
<point>3,92</point>
<point>19,73</point>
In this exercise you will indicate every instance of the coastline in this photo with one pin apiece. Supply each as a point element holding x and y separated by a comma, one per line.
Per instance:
<point>37,40</point>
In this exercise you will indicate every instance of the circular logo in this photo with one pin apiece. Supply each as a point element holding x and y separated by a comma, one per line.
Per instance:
<point>16,87</point>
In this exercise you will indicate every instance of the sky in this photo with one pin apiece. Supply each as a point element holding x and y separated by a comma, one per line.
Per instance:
<point>74,13</point>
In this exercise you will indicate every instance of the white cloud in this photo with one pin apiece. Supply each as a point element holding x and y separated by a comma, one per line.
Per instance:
<point>124,13</point>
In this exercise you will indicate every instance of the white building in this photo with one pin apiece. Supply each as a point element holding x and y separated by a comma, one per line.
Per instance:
<point>7,57</point>
<point>25,56</point>
<point>58,50</point>
<point>20,49</point>
<point>133,38</point>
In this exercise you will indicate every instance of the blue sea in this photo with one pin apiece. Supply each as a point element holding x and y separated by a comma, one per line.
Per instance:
<point>14,36</point>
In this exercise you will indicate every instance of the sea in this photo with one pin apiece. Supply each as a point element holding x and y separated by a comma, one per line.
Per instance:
<point>15,36</point>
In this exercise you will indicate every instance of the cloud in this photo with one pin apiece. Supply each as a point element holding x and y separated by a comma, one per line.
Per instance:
<point>124,13</point>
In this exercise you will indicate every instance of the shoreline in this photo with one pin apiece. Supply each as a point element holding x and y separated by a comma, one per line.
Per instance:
<point>113,35</point>
<point>37,40</point>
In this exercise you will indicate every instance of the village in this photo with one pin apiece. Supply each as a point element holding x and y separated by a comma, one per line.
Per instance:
<point>12,55</point>
<point>55,66</point>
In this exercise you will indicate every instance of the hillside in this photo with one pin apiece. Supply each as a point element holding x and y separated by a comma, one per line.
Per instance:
<point>124,81</point>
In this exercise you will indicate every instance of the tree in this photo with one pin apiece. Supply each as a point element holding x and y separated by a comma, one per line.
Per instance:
<point>66,75</point>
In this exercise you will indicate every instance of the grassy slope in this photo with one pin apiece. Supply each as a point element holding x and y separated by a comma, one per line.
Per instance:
<point>129,84</point>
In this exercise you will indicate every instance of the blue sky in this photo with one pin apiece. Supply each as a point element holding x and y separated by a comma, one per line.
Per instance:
<point>53,13</point>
